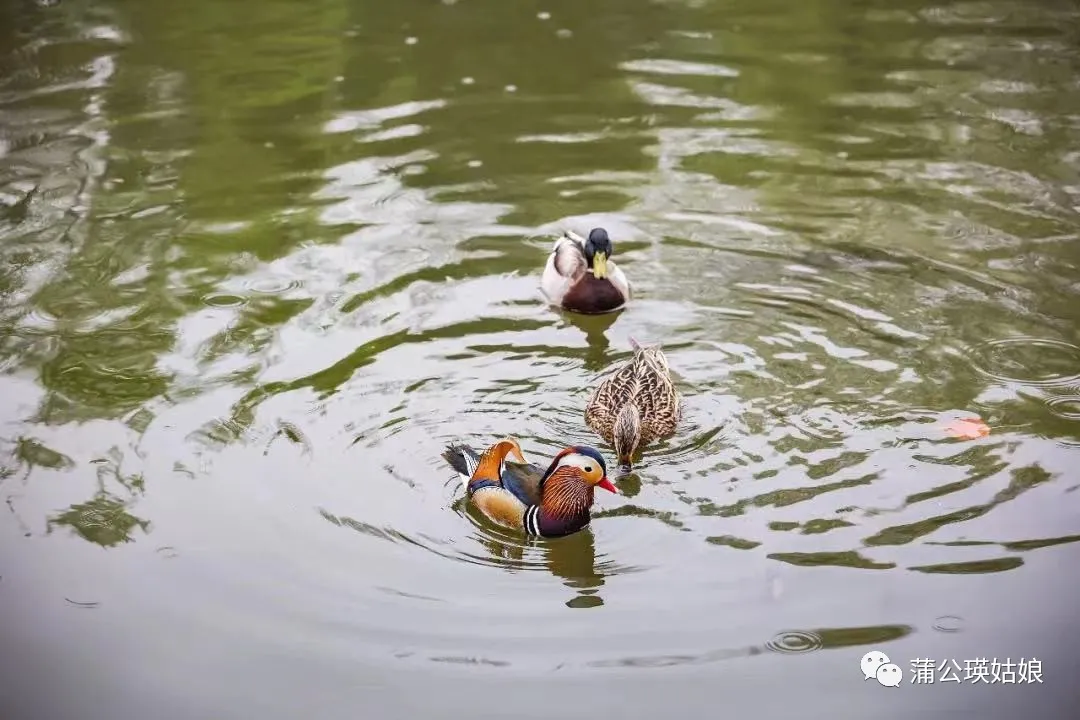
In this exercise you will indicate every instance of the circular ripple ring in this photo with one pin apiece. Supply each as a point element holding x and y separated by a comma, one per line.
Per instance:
<point>1013,360</point>
<point>794,642</point>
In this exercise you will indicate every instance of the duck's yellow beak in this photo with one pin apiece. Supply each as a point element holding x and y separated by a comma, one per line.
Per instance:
<point>599,265</point>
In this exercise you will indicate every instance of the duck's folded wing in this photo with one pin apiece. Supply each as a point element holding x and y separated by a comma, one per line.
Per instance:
<point>618,278</point>
<point>523,480</point>
<point>569,257</point>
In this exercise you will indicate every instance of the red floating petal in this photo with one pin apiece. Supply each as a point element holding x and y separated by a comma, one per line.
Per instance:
<point>970,428</point>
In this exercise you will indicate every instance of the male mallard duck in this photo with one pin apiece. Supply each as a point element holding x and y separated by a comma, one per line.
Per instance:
<point>580,276</point>
<point>636,404</point>
<point>523,496</point>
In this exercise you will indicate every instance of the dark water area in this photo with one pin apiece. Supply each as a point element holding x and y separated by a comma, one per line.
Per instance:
<point>262,261</point>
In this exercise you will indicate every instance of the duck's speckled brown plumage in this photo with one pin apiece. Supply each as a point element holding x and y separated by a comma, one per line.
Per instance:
<point>643,392</point>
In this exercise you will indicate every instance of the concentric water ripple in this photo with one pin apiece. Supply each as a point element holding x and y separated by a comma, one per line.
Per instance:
<point>1065,407</point>
<point>1028,361</point>
<point>949,624</point>
<point>223,300</point>
<point>794,642</point>
<point>272,285</point>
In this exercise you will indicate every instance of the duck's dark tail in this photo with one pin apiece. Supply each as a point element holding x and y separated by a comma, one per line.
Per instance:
<point>463,459</point>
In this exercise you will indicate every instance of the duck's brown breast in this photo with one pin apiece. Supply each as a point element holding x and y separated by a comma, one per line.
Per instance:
<point>593,296</point>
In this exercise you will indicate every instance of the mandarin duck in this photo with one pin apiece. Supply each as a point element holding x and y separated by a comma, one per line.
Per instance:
<point>581,277</point>
<point>636,404</point>
<point>548,503</point>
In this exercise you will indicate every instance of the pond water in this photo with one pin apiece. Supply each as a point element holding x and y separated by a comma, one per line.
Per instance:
<point>263,260</point>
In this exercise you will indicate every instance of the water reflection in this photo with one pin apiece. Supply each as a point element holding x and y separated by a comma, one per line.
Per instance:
<point>595,328</point>
<point>786,642</point>
<point>106,519</point>
<point>103,520</point>
<point>572,559</point>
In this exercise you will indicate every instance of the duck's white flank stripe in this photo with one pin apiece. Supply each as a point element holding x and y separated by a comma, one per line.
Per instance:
<point>531,521</point>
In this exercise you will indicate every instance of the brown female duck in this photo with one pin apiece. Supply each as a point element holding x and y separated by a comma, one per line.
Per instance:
<point>636,404</point>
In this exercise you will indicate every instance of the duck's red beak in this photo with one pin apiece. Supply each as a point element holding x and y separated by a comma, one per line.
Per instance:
<point>606,484</point>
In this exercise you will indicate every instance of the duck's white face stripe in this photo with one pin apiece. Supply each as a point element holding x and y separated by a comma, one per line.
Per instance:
<point>578,460</point>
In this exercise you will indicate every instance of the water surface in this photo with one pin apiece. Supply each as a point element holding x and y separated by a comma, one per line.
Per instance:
<point>261,261</point>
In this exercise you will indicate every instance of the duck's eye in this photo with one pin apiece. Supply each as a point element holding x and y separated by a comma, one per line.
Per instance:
<point>588,468</point>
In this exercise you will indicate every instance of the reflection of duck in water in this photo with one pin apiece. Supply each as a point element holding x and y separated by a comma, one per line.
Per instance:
<point>595,328</point>
<point>574,562</point>
<point>572,559</point>
<point>523,496</point>
<point>636,404</point>
<point>580,276</point>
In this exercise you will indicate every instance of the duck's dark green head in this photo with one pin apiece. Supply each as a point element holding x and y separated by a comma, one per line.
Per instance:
<point>598,249</point>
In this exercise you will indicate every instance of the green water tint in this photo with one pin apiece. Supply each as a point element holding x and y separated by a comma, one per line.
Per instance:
<point>261,261</point>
